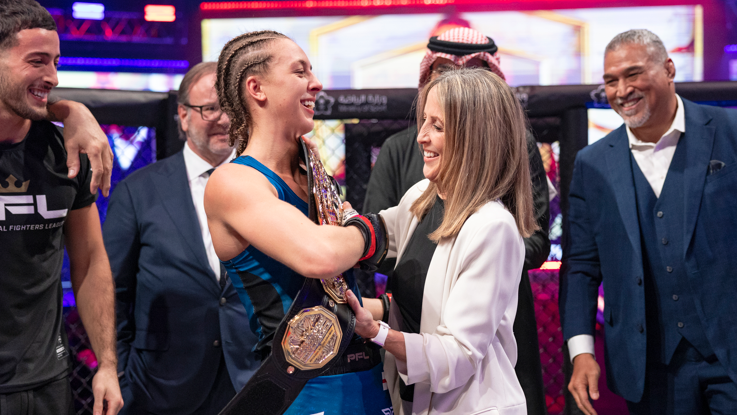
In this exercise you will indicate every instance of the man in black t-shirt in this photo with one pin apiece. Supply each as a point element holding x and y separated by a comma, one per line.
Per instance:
<point>42,211</point>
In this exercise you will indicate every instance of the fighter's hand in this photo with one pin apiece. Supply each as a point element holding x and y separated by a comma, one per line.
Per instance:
<point>82,134</point>
<point>106,391</point>
<point>311,144</point>
<point>585,382</point>
<point>366,327</point>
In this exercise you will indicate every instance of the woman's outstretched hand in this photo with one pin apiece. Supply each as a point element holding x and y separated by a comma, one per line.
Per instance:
<point>366,327</point>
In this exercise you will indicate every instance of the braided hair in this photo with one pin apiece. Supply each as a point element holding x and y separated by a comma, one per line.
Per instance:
<point>243,56</point>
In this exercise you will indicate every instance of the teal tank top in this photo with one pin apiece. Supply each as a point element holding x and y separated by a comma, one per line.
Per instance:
<point>265,286</point>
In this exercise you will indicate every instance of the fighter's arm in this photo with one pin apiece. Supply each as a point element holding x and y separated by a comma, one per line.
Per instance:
<point>243,209</point>
<point>92,283</point>
<point>579,283</point>
<point>82,134</point>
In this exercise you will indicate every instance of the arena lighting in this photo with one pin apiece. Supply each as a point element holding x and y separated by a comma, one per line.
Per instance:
<point>114,62</point>
<point>550,265</point>
<point>88,11</point>
<point>159,13</point>
<point>327,4</point>
<point>730,48</point>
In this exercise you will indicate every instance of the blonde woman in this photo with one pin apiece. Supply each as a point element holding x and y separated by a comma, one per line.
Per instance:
<point>458,240</point>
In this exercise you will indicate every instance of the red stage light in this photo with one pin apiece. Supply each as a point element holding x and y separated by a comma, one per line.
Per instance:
<point>326,4</point>
<point>159,13</point>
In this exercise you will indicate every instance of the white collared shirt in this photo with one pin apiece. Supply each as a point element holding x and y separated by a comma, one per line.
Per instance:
<point>654,158</point>
<point>197,177</point>
<point>654,161</point>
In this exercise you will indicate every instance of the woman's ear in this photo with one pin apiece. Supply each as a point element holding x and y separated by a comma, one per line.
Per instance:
<point>254,88</point>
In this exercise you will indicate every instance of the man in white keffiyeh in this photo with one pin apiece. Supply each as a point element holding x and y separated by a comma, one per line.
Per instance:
<point>460,47</point>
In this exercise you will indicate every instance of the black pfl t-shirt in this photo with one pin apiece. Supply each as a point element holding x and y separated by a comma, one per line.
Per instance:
<point>35,198</point>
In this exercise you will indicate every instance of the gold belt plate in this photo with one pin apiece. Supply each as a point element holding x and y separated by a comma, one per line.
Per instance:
<point>312,338</point>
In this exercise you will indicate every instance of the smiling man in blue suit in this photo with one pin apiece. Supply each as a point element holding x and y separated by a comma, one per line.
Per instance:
<point>184,341</point>
<point>652,215</point>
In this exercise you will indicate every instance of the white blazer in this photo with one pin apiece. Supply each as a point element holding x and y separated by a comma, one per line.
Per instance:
<point>462,362</point>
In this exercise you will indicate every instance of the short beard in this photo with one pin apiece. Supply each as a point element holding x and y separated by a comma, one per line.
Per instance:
<point>204,147</point>
<point>13,98</point>
<point>637,121</point>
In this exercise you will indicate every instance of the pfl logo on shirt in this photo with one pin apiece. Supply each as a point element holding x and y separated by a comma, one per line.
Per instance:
<point>13,187</point>
<point>24,205</point>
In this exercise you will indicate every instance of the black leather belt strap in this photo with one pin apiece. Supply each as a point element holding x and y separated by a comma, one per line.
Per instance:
<point>358,357</point>
<point>273,388</point>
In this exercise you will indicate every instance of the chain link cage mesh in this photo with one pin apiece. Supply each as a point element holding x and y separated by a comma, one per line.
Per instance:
<point>348,149</point>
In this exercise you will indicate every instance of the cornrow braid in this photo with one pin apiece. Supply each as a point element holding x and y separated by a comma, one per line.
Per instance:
<point>243,56</point>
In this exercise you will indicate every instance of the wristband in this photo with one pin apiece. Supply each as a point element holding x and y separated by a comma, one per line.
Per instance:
<point>348,214</point>
<point>371,249</point>
<point>380,338</point>
<point>385,303</point>
<point>376,245</point>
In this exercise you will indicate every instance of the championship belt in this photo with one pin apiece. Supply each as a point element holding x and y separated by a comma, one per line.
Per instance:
<point>316,330</point>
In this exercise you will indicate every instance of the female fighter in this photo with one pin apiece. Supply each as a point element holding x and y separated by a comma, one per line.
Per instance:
<point>257,210</point>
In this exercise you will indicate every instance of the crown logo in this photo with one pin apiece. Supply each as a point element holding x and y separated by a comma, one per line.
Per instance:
<point>12,187</point>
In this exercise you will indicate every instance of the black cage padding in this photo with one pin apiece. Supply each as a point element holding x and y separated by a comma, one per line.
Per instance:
<point>133,108</point>
<point>556,113</point>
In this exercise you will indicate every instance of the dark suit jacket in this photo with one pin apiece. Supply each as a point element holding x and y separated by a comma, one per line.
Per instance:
<point>168,301</point>
<point>604,243</point>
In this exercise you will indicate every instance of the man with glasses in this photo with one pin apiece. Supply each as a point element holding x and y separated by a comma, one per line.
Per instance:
<point>184,341</point>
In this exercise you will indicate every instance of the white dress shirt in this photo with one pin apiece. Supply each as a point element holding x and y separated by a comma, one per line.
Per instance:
<point>197,175</point>
<point>654,161</point>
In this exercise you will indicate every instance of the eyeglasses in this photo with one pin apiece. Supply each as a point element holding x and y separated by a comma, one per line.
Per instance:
<point>211,112</point>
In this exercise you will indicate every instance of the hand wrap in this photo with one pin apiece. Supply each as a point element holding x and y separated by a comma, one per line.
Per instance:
<point>373,230</point>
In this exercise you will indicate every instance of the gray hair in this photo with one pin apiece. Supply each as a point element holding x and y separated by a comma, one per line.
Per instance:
<point>192,77</point>
<point>640,37</point>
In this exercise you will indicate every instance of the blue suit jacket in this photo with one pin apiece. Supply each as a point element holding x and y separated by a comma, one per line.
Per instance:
<point>168,300</point>
<point>603,243</point>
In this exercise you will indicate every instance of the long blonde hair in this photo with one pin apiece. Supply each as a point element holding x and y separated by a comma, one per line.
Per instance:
<point>485,151</point>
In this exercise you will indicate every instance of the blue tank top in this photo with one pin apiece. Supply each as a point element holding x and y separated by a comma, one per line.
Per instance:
<point>265,286</point>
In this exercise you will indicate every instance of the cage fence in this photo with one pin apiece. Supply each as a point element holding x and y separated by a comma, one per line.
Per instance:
<point>348,149</point>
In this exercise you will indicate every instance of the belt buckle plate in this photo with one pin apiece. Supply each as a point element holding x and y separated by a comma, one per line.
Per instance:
<point>312,338</point>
